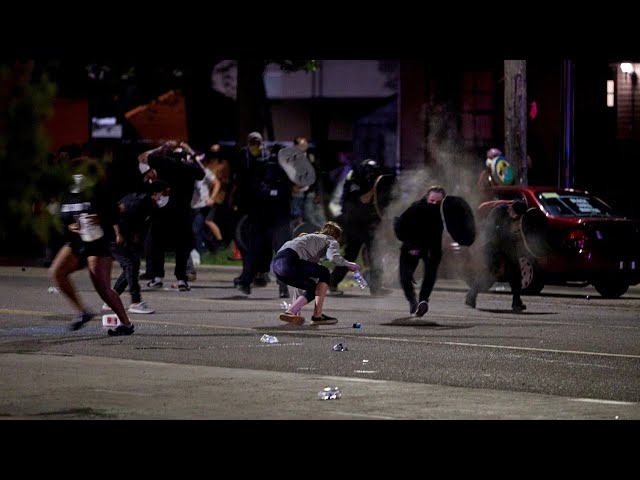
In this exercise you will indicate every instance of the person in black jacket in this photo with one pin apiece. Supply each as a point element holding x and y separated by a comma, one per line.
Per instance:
<point>420,228</point>
<point>361,219</point>
<point>502,242</point>
<point>135,215</point>
<point>171,227</point>
<point>268,217</point>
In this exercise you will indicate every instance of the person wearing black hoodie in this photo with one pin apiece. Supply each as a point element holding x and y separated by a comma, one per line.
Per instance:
<point>420,228</point>
<point>135,210</point>
<point>171,226</point>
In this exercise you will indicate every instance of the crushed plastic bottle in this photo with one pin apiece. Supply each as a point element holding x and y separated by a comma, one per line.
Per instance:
<point>89,232</point>
<point>52,290</point>
<point>362,283</point>
<point>268,339</point>
<point>339,348</point>
<point>329,393</point>
<point>284,305</point>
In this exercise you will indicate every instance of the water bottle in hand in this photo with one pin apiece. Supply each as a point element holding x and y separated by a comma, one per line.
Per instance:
<point>89,231</point>
<point>362,283</point>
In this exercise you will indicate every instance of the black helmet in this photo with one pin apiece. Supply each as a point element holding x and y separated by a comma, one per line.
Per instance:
<point>369,171</point>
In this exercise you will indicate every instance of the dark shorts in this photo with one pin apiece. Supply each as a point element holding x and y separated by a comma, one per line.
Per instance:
<point>99,248</point>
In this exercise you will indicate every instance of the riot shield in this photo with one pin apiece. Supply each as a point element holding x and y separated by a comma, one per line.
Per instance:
<point>534,228</point>
<point>297,166</point>
<point>458,219</point>
<point>502,171</point>
<point>382,190</point>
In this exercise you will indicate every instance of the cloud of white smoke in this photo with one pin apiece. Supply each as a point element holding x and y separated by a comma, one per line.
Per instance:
<point>452,167</point>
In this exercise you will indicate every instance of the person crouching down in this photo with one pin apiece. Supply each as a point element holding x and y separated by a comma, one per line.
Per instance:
<point>296,264</point>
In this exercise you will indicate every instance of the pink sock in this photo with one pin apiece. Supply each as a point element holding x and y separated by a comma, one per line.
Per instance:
<point>300,302</point>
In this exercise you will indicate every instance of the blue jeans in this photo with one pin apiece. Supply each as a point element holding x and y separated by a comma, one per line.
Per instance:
<point>289,268</point>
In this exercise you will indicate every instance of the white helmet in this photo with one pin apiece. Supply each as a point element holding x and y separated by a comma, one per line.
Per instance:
<point>493,152</point>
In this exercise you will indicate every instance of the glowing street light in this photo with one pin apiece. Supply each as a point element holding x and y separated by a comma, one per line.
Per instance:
<point>626,67</point>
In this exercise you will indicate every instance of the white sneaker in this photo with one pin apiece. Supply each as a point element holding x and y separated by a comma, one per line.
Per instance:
<point>155,283</point>
<point>106,308</point>
<point>141,307</point>
<point>195,258</point>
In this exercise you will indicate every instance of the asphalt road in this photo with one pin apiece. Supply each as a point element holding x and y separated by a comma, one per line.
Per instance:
<point>570,355</point>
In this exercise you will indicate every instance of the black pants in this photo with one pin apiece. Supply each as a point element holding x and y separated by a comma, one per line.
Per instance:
<point>408,264</point>
<point>357,236</point>
<point>264,239</point>
<point>496,258</point>
<point>129,259</point>
<point>171,231</point>
<point>513,273</point>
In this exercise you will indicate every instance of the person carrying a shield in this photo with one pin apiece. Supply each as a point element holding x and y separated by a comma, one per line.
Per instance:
<point>501,246</point>
<point>420,228</point>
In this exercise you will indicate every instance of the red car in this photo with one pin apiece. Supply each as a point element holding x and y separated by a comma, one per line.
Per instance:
<point>587,241</point>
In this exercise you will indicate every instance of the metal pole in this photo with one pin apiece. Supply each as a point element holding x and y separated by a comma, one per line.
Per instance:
<point>568,131</point>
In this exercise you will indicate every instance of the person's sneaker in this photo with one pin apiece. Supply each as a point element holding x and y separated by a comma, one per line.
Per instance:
<point>246,289</point>
<point>105,308</point>
<point>80,320</point>
<point>422,308</point>
<point>334,292</point>
<point>291,318</point>
<point>183,286</point>
<point>141,307</point>
<point>155,283</point>
<point>470,300</point>
<point>324,320</point>
<point>518,306</point>
<point>413,307</point>
<point>121,330</point>
<point>195,257</point>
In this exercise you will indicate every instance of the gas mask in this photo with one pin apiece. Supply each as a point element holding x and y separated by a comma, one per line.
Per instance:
<point>78,183</point>
<point>254,150</point>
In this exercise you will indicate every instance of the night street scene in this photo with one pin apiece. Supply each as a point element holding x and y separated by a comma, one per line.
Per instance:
<point>303,239</point>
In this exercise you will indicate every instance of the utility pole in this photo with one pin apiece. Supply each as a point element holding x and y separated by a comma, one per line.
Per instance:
<point>515,117</point>
<point>568,158</point>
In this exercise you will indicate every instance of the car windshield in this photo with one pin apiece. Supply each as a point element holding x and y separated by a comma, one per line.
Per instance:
<point>571,204</point>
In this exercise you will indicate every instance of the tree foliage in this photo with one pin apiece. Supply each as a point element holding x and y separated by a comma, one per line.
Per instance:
<point>28,176</point>
<point>296,65</point>
<point>31,178</point>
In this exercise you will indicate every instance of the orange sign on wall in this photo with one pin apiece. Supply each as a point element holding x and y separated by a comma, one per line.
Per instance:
<point>163,119</point>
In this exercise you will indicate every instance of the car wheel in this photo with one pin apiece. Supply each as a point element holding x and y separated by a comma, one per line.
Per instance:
<point>611,288</point>
<point>532,283</point>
